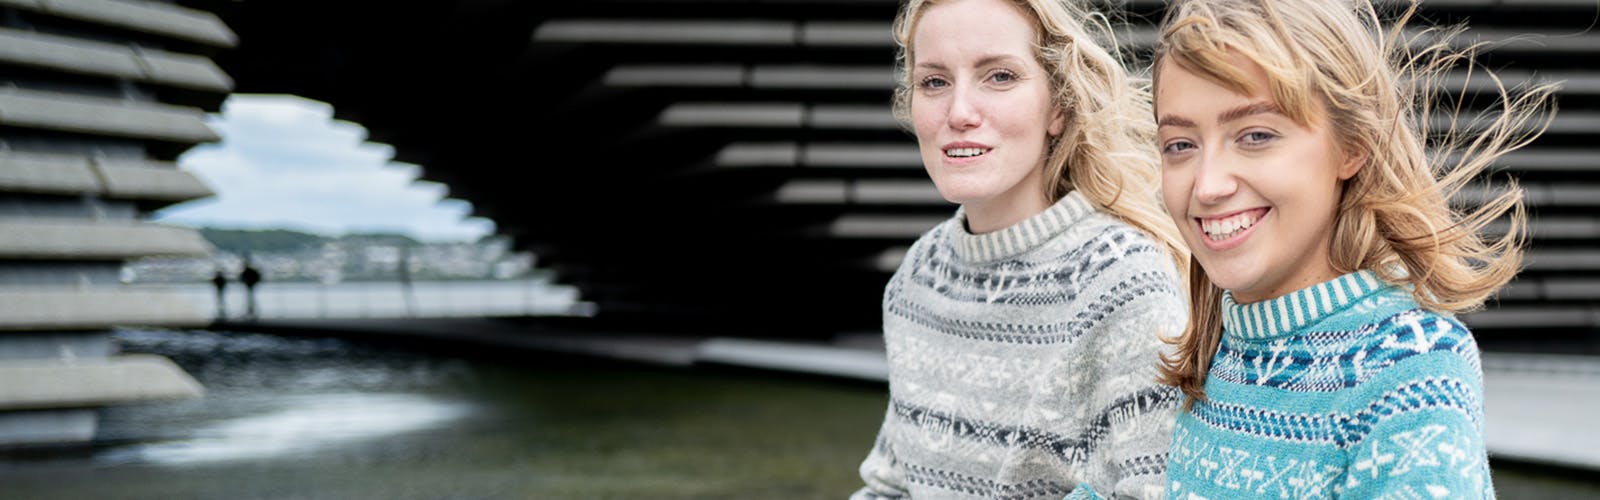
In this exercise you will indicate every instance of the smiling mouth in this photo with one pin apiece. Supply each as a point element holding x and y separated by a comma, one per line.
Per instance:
<point>1223,228</point>
<point>966,152</point>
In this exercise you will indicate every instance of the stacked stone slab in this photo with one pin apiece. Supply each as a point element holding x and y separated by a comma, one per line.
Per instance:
<point>97,100</point>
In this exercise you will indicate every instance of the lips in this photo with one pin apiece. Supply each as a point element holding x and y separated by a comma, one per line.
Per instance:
<point>965,150</point>
<point>1229,229</point>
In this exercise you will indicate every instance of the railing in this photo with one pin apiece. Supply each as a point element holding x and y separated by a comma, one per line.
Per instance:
<point>388,299</point>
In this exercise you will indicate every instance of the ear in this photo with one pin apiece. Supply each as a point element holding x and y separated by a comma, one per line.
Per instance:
<point>1352,164</point>
<point>1058,121</point>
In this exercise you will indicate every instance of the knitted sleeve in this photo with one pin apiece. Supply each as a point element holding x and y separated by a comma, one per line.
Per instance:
<point>1134,413</point>
<point>1416,430</point>
<point>880,471</point>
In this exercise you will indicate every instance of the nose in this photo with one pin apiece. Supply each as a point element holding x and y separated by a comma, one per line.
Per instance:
<point>1214,181</point>
<point>963,112</point>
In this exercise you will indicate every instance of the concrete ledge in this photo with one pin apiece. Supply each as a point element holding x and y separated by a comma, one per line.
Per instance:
<point>666,350</point>
<point>1539,316</point>
<point>150,182</point>
<point>55,384</point>
<point>1540,408</point>
<point>150,17</point>
<point>47,174</point>
<point>821,359</point>
<point>31,428</point>
<point>112,178</point>
<point>112,61</point>
<point>72,239</point>
<point>46,309</point>
<point>101,116</point>
<point>75,345</point>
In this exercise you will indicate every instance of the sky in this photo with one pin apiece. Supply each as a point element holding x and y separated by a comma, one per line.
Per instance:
<point>284,162</point>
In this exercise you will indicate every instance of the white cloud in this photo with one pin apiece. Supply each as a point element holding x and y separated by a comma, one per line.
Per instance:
<point>285,162</point>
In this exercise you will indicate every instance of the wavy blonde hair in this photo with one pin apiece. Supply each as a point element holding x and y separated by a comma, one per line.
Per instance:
<point>1107,149</point>
<point>1377,88</point>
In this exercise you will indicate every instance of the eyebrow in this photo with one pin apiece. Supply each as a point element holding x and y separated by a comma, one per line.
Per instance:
<point>1174,121</point>
<point>985,61</point>
<point>1247,110</point>
<point>1225,117</point>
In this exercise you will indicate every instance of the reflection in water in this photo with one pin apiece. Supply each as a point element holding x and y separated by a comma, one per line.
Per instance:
<point>307,424</point>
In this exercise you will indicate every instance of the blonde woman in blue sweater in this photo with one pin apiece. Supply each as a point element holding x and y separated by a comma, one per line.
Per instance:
<point>1322,358</point>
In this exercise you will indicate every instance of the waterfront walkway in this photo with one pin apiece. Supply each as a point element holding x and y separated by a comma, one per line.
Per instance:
<point>1539,407</point>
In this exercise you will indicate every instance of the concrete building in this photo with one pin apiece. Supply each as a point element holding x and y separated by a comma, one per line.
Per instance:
<point>97,99</point>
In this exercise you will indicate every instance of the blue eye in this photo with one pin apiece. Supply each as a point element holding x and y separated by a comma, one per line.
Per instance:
<point>1175,147</point>
<point>1257,138</point>
<point>933,83</point>
<point>1003,77</point>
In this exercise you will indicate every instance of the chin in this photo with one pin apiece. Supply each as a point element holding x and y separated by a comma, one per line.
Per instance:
<point>959,196</point>
<point>1231,280</point>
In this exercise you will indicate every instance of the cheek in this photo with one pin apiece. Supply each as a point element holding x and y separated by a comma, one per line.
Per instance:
<point>925,118</point>
<point>1174,193</point>
<point>1042,122</point>
<point>1313,191</point>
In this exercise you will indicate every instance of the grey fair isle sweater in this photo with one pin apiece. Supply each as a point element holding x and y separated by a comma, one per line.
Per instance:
<point>1022,362</point>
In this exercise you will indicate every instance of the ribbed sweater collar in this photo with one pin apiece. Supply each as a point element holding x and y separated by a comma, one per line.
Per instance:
<point>1021,237</point>
<point>1289,313</point>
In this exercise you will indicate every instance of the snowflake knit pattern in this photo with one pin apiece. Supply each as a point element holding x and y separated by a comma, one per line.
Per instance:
<point>1344,389</point>
<point>1022,362</point>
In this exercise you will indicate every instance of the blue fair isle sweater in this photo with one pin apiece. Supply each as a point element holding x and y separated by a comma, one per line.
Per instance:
<point>1343,389</point>
<point>1022,362</point>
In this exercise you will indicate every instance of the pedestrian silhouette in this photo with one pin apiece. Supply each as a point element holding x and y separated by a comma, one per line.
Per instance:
<point>404,269</point>
<point>250,277</point>
<point>220,281</point>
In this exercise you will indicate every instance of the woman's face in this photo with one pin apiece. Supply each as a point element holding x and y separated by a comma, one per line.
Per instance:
<point>982,110</point>
<point>1253,192</point>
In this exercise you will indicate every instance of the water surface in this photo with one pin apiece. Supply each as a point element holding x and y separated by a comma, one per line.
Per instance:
<point>322,418</point>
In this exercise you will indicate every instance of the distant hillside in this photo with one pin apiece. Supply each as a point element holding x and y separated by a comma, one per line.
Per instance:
<point>238,241</point>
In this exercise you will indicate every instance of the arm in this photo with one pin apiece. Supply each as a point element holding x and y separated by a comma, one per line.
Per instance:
<point>1427,441</point>
<point>1139,410</point>
<point>1436,456</point>
<point>880,471</point>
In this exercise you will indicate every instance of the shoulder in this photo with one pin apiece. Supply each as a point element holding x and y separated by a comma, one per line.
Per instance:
<point>1110,241</point>
<point>1388,335</point>
<point>1405,337</point>
<point>1127,280</point>
<point>1108,254</point>
<point>1416,364</point>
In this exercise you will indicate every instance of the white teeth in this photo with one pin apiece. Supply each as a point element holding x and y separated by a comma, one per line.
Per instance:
<point>1228,227</point>
<point>964,152</point>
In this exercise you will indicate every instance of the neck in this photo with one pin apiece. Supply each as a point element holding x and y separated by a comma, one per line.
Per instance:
<point>1321,271</point>
<point>1290,312</point>
<point>1021,236</point>
<point>993,215</point>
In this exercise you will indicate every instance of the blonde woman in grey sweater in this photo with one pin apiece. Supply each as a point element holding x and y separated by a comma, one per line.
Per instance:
<point>1024,333</point>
